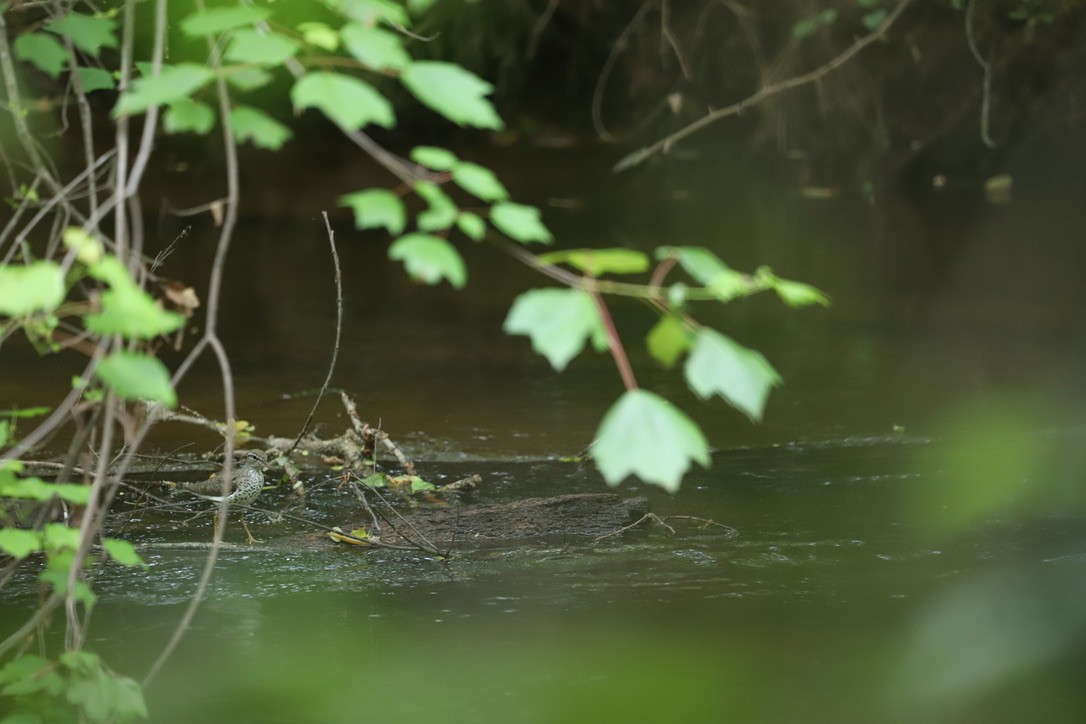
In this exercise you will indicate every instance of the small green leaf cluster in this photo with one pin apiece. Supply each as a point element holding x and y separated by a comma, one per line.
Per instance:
<point>76,687</point>
<point>427,254</point>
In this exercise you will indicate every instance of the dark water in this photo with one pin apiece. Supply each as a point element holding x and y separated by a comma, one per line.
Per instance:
<point>910,544</point>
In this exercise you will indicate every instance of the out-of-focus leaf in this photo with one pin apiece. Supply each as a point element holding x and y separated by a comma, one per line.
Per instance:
<point>19,543</point>
<point>94,79</point>
<point>668,340</point>
<point>252,46</point>
<point>438,159</point>
<point>794,294</point>
<point>452,91</point>
<point>123,552</point>
<point>596,262</point>
<point>247,79</point>
<point>371,12</point>
<point>471,225</point>
<point>719,365</point>
<point>440,212</point>
<point>349,102</point>
<point>126,309</point>
<point>374,47</point>
<point>707,269</point>
<point>188,115</point>
<point>376,208</point>
<point>136,376</point>
<point>42,51</point>
<point>429,259</point>
<point>29,288</point>
<point>253,124</point>
<point>558,321</point>
<point>217,20</point>
<point>174,83</point>
<point>319,35</point>
<point>88,33</point>
<point>645,435</point>
<point>479,181</point>
<point>520,222</point>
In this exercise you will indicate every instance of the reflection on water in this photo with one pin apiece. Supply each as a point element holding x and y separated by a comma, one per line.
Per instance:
<point>876,575</point>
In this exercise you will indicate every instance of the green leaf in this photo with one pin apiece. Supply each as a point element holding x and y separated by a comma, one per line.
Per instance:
<point>253,124</point>
<point>479,181</point>
<point>668,340</point>
<point>720,365</point>
<point>794,294</point>
<point>376,208</point>
<point>126,309</point>
<point>379,49</point>
<point>89,34</point>
<point>216,20</point>
<point>471,225</point>
<point>559,322</point>
<point>596,262</point>
<point>419,485</point>
<point>57,537</point>
<point>172,84</point>
<point>21,668</point>
<point>519,222</point>
<point>704,266</point>
<point>88,249</point>
<point>440,212</point>
<point>19,543</point>
<point>377,480</point>
<point>347,101</point>
<point>429,259</point>
<point>27,412</point>
<point>188,115</point>
<point>42,51</point>
<point>123,552</point>
<point>94,79</point>
<point>247,79</point>
<point>34,287</point>
<point>438,159</point>
<point>645,435</point>
<point>370,12</point>
<point>455,93</point>
<point>319,35</point>
<point>58,579</point>
<point>137,376</point>
<point>38,489</point>
<point>253,46</point>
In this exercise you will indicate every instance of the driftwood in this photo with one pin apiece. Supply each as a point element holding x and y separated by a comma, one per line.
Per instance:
<point>588,515</point>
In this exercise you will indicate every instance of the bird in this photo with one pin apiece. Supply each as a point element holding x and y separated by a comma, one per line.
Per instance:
<point>247,481</point>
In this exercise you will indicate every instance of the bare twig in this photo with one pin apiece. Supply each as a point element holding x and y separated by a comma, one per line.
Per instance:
<point>665,144</point>
<point>339,330</point>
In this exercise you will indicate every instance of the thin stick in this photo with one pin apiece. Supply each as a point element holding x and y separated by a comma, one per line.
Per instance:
<point>211,339</point>
<point>339,330</point>
<point>618,352</point>
<point>640,155</point>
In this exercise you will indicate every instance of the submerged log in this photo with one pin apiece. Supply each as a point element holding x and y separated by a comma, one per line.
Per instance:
<point>586,515</point>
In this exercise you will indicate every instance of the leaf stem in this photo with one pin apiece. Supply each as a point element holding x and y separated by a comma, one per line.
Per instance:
<point>614,343</point>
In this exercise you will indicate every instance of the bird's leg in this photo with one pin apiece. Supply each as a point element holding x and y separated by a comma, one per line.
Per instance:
<point>248,535</point>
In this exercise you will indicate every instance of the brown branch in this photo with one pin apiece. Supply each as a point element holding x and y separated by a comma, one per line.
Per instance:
<point>614,342</point>
<point>339,331</point>
<point>641,155</point>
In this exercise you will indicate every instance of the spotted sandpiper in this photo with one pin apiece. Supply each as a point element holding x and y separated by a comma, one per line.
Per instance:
<point>247,480</point>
